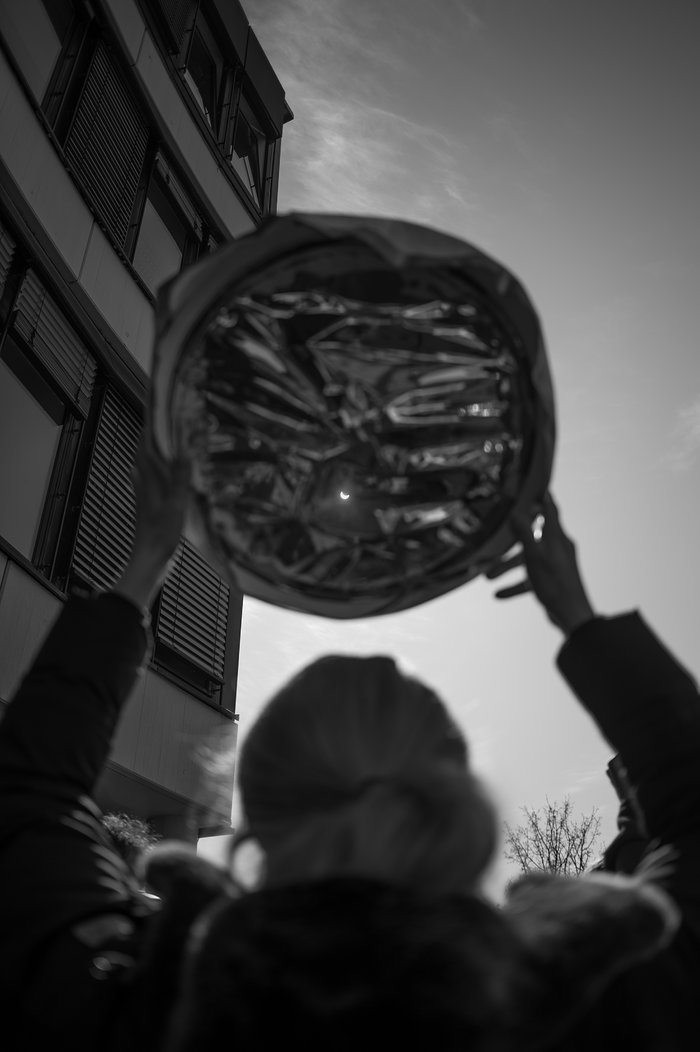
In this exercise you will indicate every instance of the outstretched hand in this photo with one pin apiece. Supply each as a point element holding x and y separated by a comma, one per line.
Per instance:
<point>548,557</point>
<point>161,490</point>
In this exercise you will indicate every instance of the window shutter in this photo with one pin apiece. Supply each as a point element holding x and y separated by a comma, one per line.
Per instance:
<point>106,145</point>
<point>106,524</point>
<point>40,322</point>
<point>7,251</point>
<point>193,612</point>
<point>178,16</point>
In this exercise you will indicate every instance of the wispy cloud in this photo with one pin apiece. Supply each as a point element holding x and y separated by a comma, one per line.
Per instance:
<point>367,34</point>
<point>350,156</point>
<point>276,643</point>
<point>349,149</point>
<point>584,779</point>
<point>685,438</point>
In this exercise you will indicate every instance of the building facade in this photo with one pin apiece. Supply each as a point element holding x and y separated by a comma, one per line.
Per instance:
<point>135,136</point>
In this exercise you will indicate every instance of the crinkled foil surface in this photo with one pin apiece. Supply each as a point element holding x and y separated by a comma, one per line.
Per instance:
<point>359,429</point>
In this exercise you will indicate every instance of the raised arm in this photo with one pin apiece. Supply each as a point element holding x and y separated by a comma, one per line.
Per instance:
<point>55,859</point>
<point>60,723</point>
<point>644,702</point>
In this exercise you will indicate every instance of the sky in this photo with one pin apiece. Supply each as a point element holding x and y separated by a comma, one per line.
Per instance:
<point>560,137</point>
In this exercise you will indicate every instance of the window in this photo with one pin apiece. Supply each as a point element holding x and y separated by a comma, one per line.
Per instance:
<point>204,73</point>
<point>106,144</point>
<point>35,32</point>
<point>225,71</point>
<point>247,154</point>
<point>40,323</point>
<point>170,232</point>
<point>7,252</point>
<point>161,241</point>
<point>196,616</point>
<point>108,149</point>
<point>88,102</point>
<point>31,421</point>
<point>108,513</point>
<point>47,377</point>
<point>193,619</point>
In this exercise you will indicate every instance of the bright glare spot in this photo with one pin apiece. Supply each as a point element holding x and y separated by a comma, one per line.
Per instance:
<point>343,495</point>
<point>537,527</point>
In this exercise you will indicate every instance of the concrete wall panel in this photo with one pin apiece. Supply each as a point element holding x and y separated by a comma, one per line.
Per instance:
<point>112,289</point>
<point>161,731</point>
<point>128,25</point>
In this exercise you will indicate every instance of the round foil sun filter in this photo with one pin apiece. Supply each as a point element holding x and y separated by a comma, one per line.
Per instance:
<point>366,403</point>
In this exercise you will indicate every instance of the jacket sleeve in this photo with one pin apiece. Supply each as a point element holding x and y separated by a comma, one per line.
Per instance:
<point>58,728</point>
<point>57,865</point>
<point>648,708</point>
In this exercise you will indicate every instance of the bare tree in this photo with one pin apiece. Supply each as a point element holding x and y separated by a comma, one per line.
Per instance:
<point>553,839</point>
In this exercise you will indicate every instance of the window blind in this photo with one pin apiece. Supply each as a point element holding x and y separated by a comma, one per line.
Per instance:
<point>178,16</point>
<point>107,516</point>
<point>193,611</point>
<point>7,251</point>
<point>41,323</point>
<point>106,145</point>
